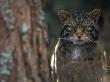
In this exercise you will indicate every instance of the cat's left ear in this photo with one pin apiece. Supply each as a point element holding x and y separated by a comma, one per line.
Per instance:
<point>63,15</point>
<point>95,14</point>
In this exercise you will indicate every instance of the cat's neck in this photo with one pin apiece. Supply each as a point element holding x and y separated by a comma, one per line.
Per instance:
<point>85,51</point>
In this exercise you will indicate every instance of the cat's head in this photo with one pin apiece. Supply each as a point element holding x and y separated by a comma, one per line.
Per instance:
<point>80,27</point>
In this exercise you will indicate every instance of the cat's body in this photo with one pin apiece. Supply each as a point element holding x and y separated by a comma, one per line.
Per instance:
<point>76,58</point>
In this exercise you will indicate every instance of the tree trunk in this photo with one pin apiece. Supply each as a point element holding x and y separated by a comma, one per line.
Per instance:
<point>23,51</point>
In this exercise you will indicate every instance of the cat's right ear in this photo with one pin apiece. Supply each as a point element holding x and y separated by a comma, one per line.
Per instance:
<point>63,15</point>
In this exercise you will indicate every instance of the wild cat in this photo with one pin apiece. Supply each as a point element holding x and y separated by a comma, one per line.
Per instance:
<point>76,58</point>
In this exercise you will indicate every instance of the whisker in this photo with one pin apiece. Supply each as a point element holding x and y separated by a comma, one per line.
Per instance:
<point>63,39</point>
<point>99,41</point>
<point>95,41</point>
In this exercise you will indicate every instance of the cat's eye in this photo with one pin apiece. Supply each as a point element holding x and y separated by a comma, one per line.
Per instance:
<point>89,28</point>
<point>68,28</point>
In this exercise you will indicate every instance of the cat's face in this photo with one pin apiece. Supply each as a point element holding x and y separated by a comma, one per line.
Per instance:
<point>79,27</point>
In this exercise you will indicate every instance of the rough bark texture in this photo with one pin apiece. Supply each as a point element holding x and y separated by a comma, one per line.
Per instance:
<point>23,51</point>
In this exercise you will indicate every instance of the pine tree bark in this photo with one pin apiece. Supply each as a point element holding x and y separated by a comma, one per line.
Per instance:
<point>23,50</point>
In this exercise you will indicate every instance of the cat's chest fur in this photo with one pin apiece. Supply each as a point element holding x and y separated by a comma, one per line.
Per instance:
<point>69,53</point>
<point>72,61</point>
<point>75,54</point>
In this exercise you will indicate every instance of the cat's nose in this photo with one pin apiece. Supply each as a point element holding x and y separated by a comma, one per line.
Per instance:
<point>79,33</point>
<point>79,36</point>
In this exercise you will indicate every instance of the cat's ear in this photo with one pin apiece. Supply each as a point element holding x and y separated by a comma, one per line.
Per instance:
<point>63,15</point>
<point>95,14</point>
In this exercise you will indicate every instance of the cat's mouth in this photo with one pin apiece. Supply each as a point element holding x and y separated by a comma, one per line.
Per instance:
<point>79,42</point>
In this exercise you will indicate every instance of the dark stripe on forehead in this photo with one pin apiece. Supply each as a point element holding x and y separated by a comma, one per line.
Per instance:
<point>79,18</point>
<point>79,13</point>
